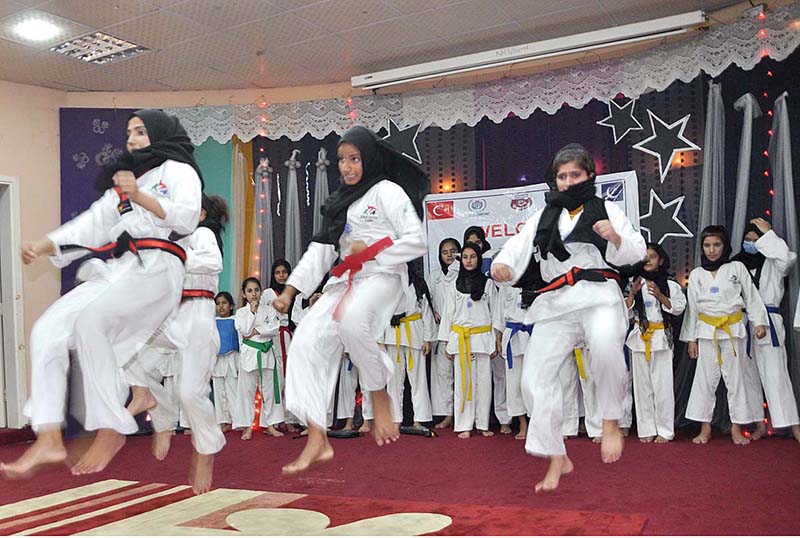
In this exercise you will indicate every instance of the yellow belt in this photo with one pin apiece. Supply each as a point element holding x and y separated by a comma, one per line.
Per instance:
<point>724,323</point>
<point>579,362</point>
<point>407,322</point>
<point>464,352</point>
<point>647,335</point>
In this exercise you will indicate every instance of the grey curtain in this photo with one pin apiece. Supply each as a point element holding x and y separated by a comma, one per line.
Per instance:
<point>293,248</point>
<point>784,219</point>
<point>712,191</point>
<point>320,187</point>
<point>263,220</point>
<point>748,105</point>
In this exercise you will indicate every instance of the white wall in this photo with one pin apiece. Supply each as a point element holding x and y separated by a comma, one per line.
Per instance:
<point>29,150</point>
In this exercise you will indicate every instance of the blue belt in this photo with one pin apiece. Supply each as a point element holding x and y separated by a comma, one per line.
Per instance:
<point>515,328</point>
<point>773,334</point>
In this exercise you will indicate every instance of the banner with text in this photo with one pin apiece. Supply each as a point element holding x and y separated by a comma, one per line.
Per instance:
<point>503,212</point>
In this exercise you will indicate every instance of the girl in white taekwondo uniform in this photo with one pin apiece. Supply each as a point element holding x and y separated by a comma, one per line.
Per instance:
<point>652,295</point>
<point>439,282</point>
<point>226,368</point>
<point>512,339</point>
<point>149,193</point>
<point>408,340</point>
<point>260,366</point>
<point>193,332</point>
<point>466,327</point>
<point>281,269</point>
<point>574,239</point>
<point>372,224</point>
<point>477,236</point>
<point>768,259</point>
<point>714,327</point>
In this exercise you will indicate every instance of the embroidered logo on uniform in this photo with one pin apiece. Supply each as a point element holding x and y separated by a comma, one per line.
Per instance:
<point>160,189</point>
<point>469,304</point>
<point>648,304</point>
<point>348,228</point>
<point>734,278</point>
<point>714,289</point>
<point>370,211</point>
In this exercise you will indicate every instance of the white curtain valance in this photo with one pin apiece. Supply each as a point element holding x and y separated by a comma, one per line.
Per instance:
<point>743,43</point>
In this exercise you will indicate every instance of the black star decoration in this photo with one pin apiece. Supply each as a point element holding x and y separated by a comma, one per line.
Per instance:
<point>404,140</point>
<point>662,220</point>
<point>666,141</point>
<point>620,119</point>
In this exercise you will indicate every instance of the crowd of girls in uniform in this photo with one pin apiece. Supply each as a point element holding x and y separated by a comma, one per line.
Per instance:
<point>575,312</point>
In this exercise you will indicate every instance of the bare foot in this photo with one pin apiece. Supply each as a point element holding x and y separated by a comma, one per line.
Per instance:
<point>523,428</point>
<point>47,449</point>
<point>464,435</point>
<point>612,443</point>
<point>141,400</point>
<point>273,431</point>
<point>705,434</point>
<point>661,440</point>
<point>105,446</point>
<point>291,428</point>
<point>625,431</point>
<point>247,434</point>
<point>505,429</point>
<point>445,423</point>
<point>418,425</point>
<point>348,425</point>
<point>316,452</point>
<point>646,439</point>
<point>796,432</point>
<point>366,427</point>
<point>386,430</point>
<point>737,436</point>
<point>161,444</point>
<point>759,432</point>
<point>559,466</point>
<point>201,472</point>
<point>486,433</point>
<point>597,440</point>
<point>225,428</point>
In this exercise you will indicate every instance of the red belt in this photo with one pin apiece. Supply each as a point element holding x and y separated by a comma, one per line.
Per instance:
<point>126,243</point>
<point>197,294</point>
<point>354,263</point>
<point>282,332</point>
<point>576,274</point>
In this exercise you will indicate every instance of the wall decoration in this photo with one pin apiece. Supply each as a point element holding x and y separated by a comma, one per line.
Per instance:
<point>661,220</point>
<point>666,141</point>
<point>621,119</point>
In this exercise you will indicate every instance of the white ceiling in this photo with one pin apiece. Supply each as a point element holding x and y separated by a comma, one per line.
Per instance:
<point>224,44</point>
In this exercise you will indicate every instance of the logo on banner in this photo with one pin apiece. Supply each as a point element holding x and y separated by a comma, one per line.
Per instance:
<point>613,191</point>
<point>440,210</point>
<point>477,205</point>
<point>521,202</point>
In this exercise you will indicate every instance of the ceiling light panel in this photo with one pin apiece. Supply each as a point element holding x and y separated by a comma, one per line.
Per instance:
<point>99,48</point>
<point>38,29</point>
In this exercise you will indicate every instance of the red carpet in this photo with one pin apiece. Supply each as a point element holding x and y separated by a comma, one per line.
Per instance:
<point>485,484</point>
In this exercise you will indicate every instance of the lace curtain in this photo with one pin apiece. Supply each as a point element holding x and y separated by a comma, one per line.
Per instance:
<point>743,43</point>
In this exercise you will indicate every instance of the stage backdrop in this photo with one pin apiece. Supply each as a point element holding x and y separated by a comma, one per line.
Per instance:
<point>503,212</point>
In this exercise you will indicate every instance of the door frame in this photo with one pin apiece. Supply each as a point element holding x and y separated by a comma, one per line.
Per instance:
<point>14,349</point>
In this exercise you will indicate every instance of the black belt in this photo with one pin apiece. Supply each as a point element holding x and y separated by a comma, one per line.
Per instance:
<point>126,243</point>
<point>570,278</point>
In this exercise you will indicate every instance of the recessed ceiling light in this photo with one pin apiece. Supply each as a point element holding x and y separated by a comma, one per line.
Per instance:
<point>36,29</point>
<point>99,48</point>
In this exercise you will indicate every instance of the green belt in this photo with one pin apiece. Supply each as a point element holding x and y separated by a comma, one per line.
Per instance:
<point>263,347</point>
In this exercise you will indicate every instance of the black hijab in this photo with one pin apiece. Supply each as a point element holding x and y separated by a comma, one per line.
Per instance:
<point>752,261</point>
<point>472,282</point>
<point>477,230</point>
<point>168,140</point>
<point>274,283</point>
<point>379,161</point>
<point>660,277</point>
<point>443,265</point>
<point>717,231</point>
<point>420,286</point>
